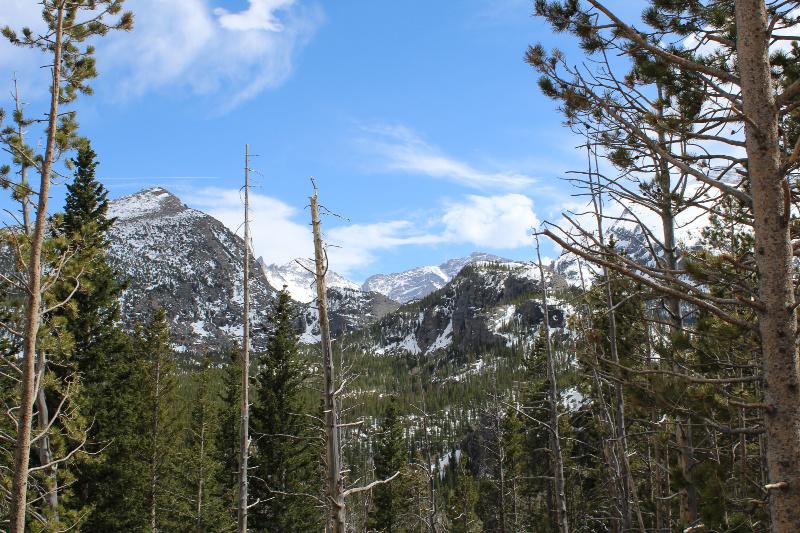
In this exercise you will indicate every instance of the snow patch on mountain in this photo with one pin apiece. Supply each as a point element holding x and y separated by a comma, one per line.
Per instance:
<point>188,263</point>
<point>147,202</point>
<point>419,282</point>
<point>298,278</point>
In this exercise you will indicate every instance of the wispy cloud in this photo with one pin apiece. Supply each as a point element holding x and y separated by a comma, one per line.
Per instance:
<point>357,245</point>
<point>281,232</point>
<point>189,45</point>
<point>211,51</point>
<point>400,149</point>
<point>278,232</point>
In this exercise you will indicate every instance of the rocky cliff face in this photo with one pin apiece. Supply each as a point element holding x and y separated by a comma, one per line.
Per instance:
<point>190,264</point>
<point>487,304</point>
<point>349,310</point>
<point>421,281</point>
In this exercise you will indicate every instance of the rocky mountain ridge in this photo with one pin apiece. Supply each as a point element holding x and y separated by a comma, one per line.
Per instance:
<point>420,281</point>
<point>190,264</point>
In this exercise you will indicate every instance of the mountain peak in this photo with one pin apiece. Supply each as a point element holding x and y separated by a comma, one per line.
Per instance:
<point>421,281</point>
<point>298,278</point>
<point>146,202</point>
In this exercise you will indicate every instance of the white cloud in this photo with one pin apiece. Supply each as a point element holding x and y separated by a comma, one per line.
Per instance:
<point>281,232</point>
<point>491,221</point>
<point>259,16</point>
<point>355,246</point>
<point>188,44</point>
<point>399,149</point>
<point>276,233</point>
<point>23,63</point>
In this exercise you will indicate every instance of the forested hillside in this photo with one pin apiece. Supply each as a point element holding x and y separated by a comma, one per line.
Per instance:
<point>156,376</point>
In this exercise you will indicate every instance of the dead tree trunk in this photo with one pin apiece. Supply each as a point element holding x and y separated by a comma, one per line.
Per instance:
<point>19,487</point>
<point>43,446</point>
<point>199,527</point>
<point>334,482</point>
<point>560,497</point>
<point>773,254</point>
<point>154,458</point>
<point>244,440</point>
<point>689,502</point>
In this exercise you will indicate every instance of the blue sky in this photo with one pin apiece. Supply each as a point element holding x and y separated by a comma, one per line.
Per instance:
<point>422,124</point>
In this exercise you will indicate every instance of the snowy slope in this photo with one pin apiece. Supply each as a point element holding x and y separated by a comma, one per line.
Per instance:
<point>487,304</point>
<point>631,240</point>
<point>187,262</point>
<point>298,279</point>
<point>421,281</point>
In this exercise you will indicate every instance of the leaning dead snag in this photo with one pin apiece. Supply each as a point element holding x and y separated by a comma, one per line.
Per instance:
<point>334,483</point>
<point>244,424</point>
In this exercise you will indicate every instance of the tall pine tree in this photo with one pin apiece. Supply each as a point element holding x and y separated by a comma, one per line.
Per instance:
<point>390,501</point>
<point>286,460</point>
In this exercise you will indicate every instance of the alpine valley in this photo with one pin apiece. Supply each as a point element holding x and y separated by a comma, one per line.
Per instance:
<point>461,327</point>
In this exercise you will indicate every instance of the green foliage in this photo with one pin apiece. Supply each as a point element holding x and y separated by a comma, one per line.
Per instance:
<point>461,504</point>
<point>157,448</point>
<point>200,464</point>
<point>287,449</point>
<point>390,503</point>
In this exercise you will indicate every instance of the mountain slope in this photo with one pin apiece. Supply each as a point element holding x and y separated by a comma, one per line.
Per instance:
<point>298,278</point>
<point>421,281</point>
<point>349,310</point>
<point>487,304</point>
<point>187,262</point>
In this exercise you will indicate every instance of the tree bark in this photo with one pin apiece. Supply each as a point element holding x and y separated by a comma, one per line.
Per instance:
<point>244,426</point>
<point>335,483</point>
<point>200,528</point>
<point>19,487</point>
<point>26,209</point>
<point>44,449</point>
<point>555,444</point>
<point>773,253</point>
<point>689,502</point>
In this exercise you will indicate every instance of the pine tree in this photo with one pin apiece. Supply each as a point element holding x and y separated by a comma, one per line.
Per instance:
<point>117,483</point>
<point>757,97</point>
<point>200,461</point>
<point>64,41</point>
<point>461,508</point>
<point>390,505</point>
<point>101,353</point>
<point>158,450</point>
<point>227,435</point>
<point>286,455</point>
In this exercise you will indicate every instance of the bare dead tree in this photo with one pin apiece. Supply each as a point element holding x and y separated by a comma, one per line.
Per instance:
<point>337,518</point>
<point>559,488</point>
<point>244,423</point>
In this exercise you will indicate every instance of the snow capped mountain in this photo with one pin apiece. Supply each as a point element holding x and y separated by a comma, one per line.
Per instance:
<point>421,281</point>
<point>298,278</point>
<point>348,310</point>
<point>192,265</point>
<point>487,304</point>
<point>187,262</point>
<point>630,239</point>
